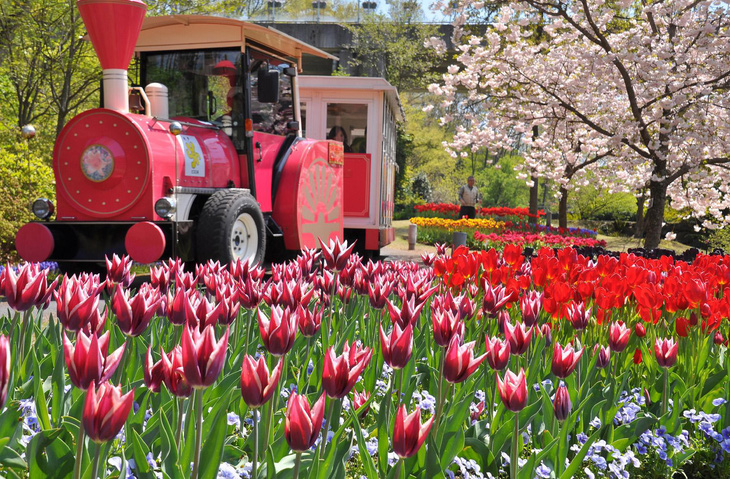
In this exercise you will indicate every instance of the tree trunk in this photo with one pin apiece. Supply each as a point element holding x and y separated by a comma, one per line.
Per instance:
<point>563,208</point>
<point>655,214</point>
<point>533,200</point>
<point>639,226</point>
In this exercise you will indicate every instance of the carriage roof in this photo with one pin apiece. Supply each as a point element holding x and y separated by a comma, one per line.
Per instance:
<point>188,32</point>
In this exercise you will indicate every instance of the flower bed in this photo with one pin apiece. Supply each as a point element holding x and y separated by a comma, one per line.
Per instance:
<point>439,230</point>
<point>533,240</point>
<point>450,210</point>
<point>477,364</point>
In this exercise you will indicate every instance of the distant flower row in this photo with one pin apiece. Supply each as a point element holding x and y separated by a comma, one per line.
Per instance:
<point>459,225</point>
<point>452,210</point>
<point>498,240</point>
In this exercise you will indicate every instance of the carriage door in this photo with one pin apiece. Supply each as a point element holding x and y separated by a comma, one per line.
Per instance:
<point>348,123</point>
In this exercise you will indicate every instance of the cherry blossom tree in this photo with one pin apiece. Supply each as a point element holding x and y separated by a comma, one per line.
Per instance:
<point>637,90</point>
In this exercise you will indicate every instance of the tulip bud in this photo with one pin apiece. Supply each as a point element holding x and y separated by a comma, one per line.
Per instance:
<point>562,405</point>
<point>618,337</point>
<point>578,315</point>
<point>565,360</point>
<point>530,305</point>
<point>445,325</point>
<point>503,319</point>
<point>693,318</point>
<point>476,411</point>
<point>518,338</point>
<point>336,254</point>
<point>498,353</point>
<point>640,330</point>
<point>358,400</point>
<point>340,373</point>
<point>309,322</point>
<point>174,374</point>
<point>202,356</point>
<point>604,356</point>
<point>547,332</point>
<point>105,411</point>
<point>257,386</point>
<point>647,397</point>
<point>134,314</point>
<point>718,339</point>
<point>154,374</point>
<point>279,332</point>
<point>118,271</point>
<point>4,369</point>
<point>87,360</point>
<point>459,360</point>
<point>29,288</point>
<point>666,352</point>
<point>513,390</point>
<point>302,424</point>
<point>398,346</point>
<point>408,432</point>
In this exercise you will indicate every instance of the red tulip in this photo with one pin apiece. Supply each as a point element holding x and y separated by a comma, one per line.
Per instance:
<point>578,315</point>
<point>640,330</point>
<point>202,357</point>
<point>182,308</point>
<point>637,356</point>
<point>134,315</point>
<point>513,390</point>
<point>257,386</point>
<point>340,373</point>
<point>88,362</point>
<point>518,338</point>
<point>530,305</point>
<point>398,346</point>
<point>459,360</point>
<point>358,399</point>
<point>682,326</point>
<point>28,288</point>
<point>618,337</point>
<point>244,270</point>
<point>495,298</point>
<point>228,307</point>
<point>408,432</point>
<point>4,369</point>
<point>378,292</point>
<point>106,411</point>
<point>446,324</point>
<point>174,374</point>
<point>309,321</point>
<point>604,356</point>
<point>302,425</point>
<point>336,254</point>
<point>278,333</point>
<point>154,374</point>
<point>718,339</point>
<point>498,353</point>
<point>249,293</point>
<point>561,404</point>
<point>409,313</point>
<point>565,360</point>
<point>118,271</point>
<point>77,303</point>
<point>160,278</point>
<point>666,352</point>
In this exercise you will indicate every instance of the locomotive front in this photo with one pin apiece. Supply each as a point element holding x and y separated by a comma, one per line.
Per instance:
<point>194,174</point>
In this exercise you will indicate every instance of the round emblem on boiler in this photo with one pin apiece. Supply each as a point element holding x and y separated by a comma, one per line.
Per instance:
<point>97,163</point>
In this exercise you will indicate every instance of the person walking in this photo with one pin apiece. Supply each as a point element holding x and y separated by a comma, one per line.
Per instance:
<point>469,197</point>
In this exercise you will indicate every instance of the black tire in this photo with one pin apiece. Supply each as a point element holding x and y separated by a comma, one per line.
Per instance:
<point>231,226</point>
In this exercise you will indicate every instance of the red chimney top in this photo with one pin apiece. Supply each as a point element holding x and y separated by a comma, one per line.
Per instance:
<point>113,27</point>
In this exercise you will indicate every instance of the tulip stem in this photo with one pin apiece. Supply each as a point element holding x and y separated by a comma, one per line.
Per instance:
<point>398,468</point>
<point>400,385</point>
<point>323,443</point>
<point>23,330</point>
<point>79,452</point>
<point>254,462</point>
<point>198,431</point>
<point>95,469</point>
<point>515,449</point>
<point>297,464</point>
<point>440,398</point>
<point>665,397</point>
<point>180,419</point>
<point>269,419</point>
<point>491,404</point>
<point>248,331</point>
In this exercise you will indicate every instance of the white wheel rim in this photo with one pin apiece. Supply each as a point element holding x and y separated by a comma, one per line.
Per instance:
<point>244,238</point>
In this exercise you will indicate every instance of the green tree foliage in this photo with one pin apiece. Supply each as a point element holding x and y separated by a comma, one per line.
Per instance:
<point>391,46</point>
<point>26,176</point>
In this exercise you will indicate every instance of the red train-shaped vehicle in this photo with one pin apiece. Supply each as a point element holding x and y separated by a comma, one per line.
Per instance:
<point>208,161</point>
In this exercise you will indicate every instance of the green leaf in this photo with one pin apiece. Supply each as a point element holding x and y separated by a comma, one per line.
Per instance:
<point>627,434</point>
<point>452,432</point>
<point>41,407</point>
<point>58,384</point>
<point>11,458</point>
<point>50,455</point>
<point>169,450</point>
<point>577,461</point>
<point>139,452</point>
<point>367,460</point>
<point>212,452</point>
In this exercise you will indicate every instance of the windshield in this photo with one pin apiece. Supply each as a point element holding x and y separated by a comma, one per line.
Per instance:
<point>201,84</point>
